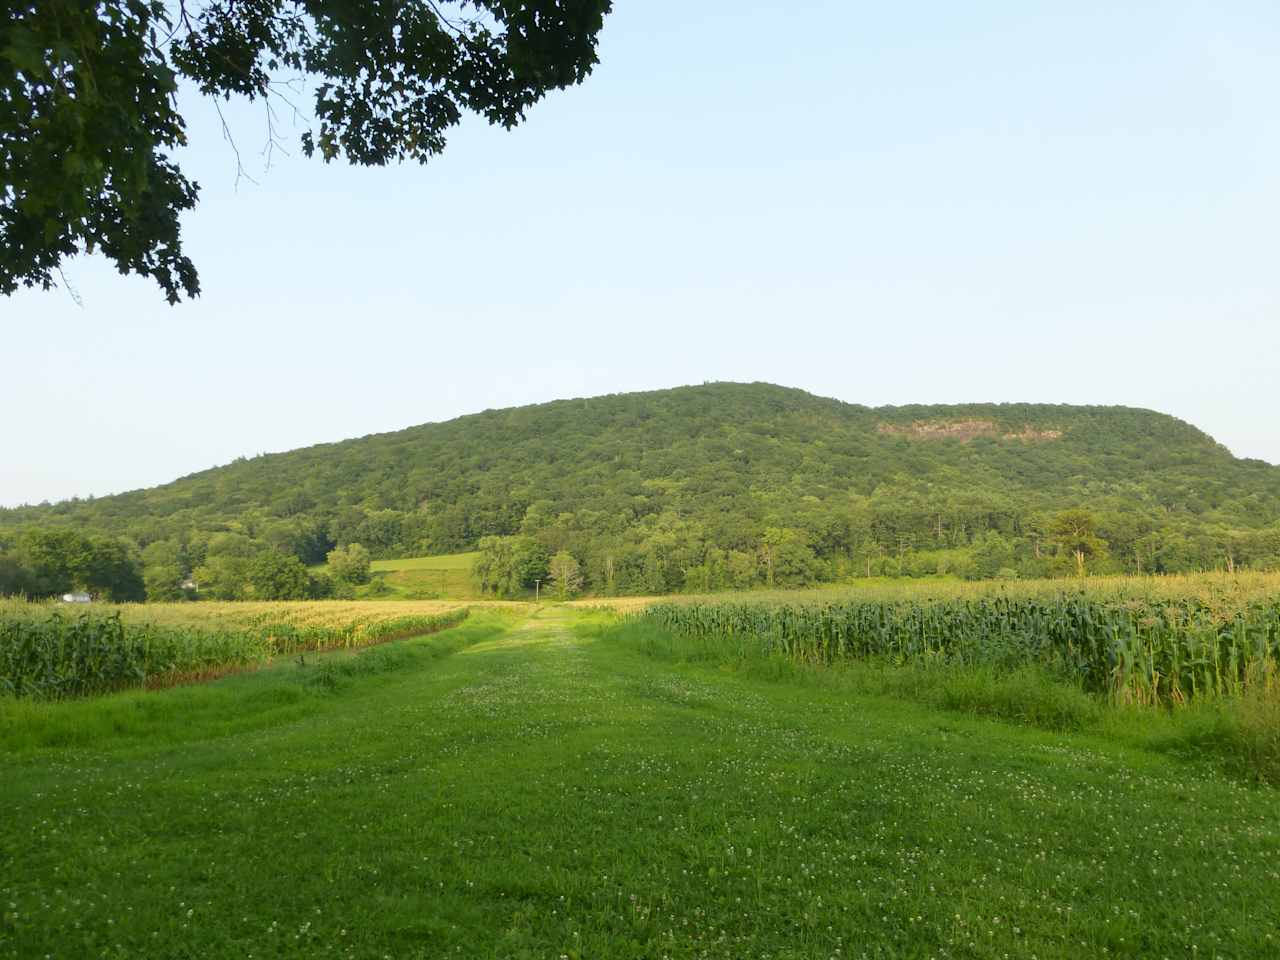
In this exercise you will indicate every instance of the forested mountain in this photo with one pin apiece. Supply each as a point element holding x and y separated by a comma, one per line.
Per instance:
<point>730,484</point>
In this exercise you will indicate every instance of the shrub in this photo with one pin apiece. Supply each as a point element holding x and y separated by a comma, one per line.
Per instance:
<point>350,564</point>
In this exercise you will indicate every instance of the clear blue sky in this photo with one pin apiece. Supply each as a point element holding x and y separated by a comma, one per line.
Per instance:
<point>886,203</point>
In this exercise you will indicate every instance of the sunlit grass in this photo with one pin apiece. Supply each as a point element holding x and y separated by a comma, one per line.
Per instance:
<point>447,576</point>
<point>444,561</point>
<point>559,793</point>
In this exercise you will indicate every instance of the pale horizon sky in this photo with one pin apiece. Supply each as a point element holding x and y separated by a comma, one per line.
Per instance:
<point>1051,203</point>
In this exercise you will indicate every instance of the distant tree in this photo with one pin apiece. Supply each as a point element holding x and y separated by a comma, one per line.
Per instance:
<point>278,576</point>
<point>711,574</point>
<point>111,569</point>
<point>607,570</point>
<point>350,564</point>
<point>55,559</point>
<point>62,560</point>
<point>15,578</point>
<point>566,576</point>
<point>232,545</point>
<point>378,587</point>
<point>164,583</point>
<point>163,570</point>
<point>507,566</point>
<point>653,573</point>
<point>89,120</point>
<point>306,538</point>
<point>381,530</point>
<point>324,586</point>
<point>529,562</point>
<point>164,552</point>
<point>742,569</point>
<point>991,553</point>
<point>491,564</point>
<point>223,577</point>
<point>787,559</point>
<point>1036,527</point>
<point>1075,533</point>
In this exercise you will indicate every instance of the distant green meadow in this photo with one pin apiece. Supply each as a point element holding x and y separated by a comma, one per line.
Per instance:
<point>449,561</point>
<point>447,576</point>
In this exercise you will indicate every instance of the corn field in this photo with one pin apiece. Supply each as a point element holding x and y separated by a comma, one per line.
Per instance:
<point>1151,648</point>
<point>46,653</point>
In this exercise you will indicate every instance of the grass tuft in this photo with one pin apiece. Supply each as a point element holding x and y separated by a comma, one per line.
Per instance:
<point>1242,732</point>
<point>1026,695</point>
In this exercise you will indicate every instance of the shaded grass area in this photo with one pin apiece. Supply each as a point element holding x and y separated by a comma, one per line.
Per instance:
<point>554,790</point>
<point>1241,734</point>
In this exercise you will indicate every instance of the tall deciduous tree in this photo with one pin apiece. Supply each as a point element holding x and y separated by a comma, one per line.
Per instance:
<point>1075,533</point>
<point>566,574</point>
<point>350,564</point>
<point>278,576</point>
<point>222,577</point>
<point>164,582</point>
<point>508,565</point>
<point>61,560</point>
<point>89,120</point>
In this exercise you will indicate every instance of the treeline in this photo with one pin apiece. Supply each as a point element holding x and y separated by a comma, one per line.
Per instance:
<point>675,555</point>
<point>45,563</point>
<point>658,554</point>
<point>722,485</point>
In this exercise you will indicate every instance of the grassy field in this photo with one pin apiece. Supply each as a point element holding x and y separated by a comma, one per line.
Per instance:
<point>442,577</point>
<point>445,561</point>
<point>557,787</point>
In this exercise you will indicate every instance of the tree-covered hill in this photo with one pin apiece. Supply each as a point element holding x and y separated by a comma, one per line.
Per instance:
<point>730,484</point>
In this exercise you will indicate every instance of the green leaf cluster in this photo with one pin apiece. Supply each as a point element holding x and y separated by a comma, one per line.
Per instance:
<point>89,121</point>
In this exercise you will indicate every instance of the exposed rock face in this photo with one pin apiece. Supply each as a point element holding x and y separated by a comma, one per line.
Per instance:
<point>965,430</point>
<point>1030,434</point>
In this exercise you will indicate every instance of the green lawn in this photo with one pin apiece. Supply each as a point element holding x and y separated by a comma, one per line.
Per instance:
<point>543,789</point>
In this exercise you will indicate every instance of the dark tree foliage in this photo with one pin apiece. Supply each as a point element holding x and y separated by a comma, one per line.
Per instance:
<point>87,122</point>
<point>88,118</point>
<point>724,486</point>
<point>42,563</point>
<point>276,576</point>
<point>508,566</point>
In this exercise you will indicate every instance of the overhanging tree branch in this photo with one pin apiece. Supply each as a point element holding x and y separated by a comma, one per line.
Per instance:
<point>89,121</point>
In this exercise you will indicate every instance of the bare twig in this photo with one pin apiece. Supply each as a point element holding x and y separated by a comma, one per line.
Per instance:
<point>71,291</point>
<point>226,135</point>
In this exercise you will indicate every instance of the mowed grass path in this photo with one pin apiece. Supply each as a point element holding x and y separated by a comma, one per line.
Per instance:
<point>541,791</point>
